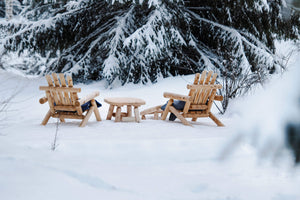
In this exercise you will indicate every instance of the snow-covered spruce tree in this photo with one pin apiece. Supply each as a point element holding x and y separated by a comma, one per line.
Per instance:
<point>141,40</point>
<point>2,9</point>
<point>239,36</point>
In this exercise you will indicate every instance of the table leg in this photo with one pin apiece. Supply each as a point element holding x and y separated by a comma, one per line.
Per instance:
<point>137,114</point>
<point>118,114</point>
<point>156,116</point>
<point>129,111</point>
<point>110,112</point>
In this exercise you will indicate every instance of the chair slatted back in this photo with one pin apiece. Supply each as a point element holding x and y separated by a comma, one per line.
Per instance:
<point>202,97</point>
<point>62,96</point>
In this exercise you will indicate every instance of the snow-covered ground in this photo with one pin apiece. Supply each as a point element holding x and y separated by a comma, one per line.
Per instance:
<point>158,160</point>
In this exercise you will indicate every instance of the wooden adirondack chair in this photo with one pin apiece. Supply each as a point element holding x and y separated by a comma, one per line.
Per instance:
<point>64,102</point>
<point>199,101</point>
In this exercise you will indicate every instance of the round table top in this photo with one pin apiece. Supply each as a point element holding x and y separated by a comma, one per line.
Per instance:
<point>121,101</point>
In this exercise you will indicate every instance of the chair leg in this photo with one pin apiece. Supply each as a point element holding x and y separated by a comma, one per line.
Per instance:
<point>88,115</point>
<point>166,111</point>
<point>129,111</point>
<point>110,112</point>
<point>46,118</point>
<point>156,116</point>
<point>137,114</point>
<point>96,111</point>
<point>216,120</point>
<point>118,114</point>
<point>179,116</point>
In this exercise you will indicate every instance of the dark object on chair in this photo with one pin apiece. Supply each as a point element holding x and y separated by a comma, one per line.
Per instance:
<point>179,105</point>
<point>293,140</point>
<point>88,104</point>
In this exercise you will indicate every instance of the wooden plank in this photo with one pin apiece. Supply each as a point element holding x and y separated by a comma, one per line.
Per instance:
<point>49,80</point>
<point>123,114</point>
<point>218,98</point>
<point>50,88</point>
<point>179,116</point>
<point>46,118</point>
<point>196,81</point>
<point>186,107</point>
<point>128,119</point>
<point>213,80</point>
<point>118,114</point>
<point>198,91</point>
<point>211,99</point>
<point>203,75</point>
<point>43,100</point>
<point>216,120</point>
<point>166,111</point>
<point>207,94</point>
<point>122,101</point>
<point>73,95</point>
<point>137,114</point>
<point>208,76</point>
<point>96,111</point>
<point>55,97</point>
<point>201,95</point>
<point>50,101</point>
<point>67,100</point>
<point>68,116</point>
<point>89,97</point>
<point>65,108</point>
<point>176,96</point>
<point>129,110</point>
<point>61,89</point>
<point>156,116</point>
<point>87,117</point>
<point>79,110</point>
<point>217,86</point>
<point>110,112</point>
<point>58,96</point>
<point>152,110</point>
<point>70,81</point>
<point>62,80</point>
<point>195,95</point>
<point>56,81</point>
<point>198,107</point>
<point>197,77</point>
<point>189,115</point>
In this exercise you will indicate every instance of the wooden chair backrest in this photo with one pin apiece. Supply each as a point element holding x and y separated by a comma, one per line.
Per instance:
<point>202,97</point>
<point>60,95</point>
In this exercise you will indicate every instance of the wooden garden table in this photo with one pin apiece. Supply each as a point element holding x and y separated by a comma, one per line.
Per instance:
<point>118,102</point>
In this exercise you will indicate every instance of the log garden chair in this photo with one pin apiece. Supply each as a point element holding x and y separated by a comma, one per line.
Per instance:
<point>64,102</point>
<point>197,103</point>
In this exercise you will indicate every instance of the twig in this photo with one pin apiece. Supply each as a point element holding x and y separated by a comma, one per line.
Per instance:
<point>54,145</point>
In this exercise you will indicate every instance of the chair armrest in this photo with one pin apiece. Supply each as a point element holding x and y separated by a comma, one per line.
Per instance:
<point>43,100</point>
<point>176,96</point>
<point>89,97</point>
<point>218,98</point>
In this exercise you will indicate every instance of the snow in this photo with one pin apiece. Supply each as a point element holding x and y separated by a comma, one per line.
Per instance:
<point>272,108</point>
<point>127,160</point>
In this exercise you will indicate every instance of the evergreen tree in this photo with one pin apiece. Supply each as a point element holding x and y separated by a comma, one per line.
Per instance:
<point>140,41</point>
